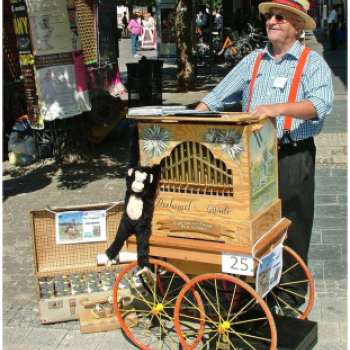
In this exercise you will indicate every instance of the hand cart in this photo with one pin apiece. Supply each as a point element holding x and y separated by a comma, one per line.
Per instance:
<point>217,237</point>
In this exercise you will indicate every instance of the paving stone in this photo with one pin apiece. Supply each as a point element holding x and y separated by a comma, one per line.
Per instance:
<point>329,331</point>
<point>74,340</point>
<point>333,237</point>
<point>330,253</point>
<point>41,338</point>
<point>321,198</point>
<point>331,187</point>
<point>316,268</point>
<point>335,270</point>
<point>330,223</point>
<point>331,210</point>
<point>316,237</point>
<point>334,312</point>
<point>343,332</point>
<point>12,337</point>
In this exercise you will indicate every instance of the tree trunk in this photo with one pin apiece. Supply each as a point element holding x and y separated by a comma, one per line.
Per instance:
<point>185,78</point>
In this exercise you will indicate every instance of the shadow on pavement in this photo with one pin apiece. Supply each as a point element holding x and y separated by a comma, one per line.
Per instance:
<point>206,79</point>
<point>107,160</point>
<point>337,60</point>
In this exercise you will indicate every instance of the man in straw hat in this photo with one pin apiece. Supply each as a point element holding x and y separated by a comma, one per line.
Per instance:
<point>262,82</point>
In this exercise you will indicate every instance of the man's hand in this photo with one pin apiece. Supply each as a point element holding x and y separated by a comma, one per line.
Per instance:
<point>266,110</point>
<point>300,110</point>
<point>202,107</point>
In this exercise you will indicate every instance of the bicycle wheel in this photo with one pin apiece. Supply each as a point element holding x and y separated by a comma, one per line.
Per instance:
<point>233,317</point>
<point>231,56</point>
<point>203,54</point>
<point>145,304</point>
<point>292,285</point>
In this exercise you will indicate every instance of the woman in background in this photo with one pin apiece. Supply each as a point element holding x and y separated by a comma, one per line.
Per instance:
<point>135,30</point>
<point>147,40</point>
<point>154,31</point>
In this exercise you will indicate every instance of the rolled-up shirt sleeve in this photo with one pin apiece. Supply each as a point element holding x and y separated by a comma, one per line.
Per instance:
<point>318,86</point>
<point>229,91</point>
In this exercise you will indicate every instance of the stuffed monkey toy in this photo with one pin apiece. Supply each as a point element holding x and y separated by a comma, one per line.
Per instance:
<point>141,184</point>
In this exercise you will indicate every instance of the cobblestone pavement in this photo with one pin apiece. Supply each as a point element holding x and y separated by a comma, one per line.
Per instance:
<point>102,180</point>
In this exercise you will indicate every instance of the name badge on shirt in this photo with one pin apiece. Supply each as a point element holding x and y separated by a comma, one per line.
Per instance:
<point>280,82</point>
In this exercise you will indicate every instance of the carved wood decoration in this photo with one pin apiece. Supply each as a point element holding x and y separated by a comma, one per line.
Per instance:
<point>191,168</point>
<point>218,179</point>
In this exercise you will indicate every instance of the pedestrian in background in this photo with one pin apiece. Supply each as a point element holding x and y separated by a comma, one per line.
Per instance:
<point>135,29</point>
<point>140,22</point>
<point>120,26</point>
<point>333,24</point>
<point>220,22</point>
<point>202,21</point>
<point>154,30</point>
<point>147,33</point>
<point>125,22</point>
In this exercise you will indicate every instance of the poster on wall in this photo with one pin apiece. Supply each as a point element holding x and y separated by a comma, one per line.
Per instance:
<point>50,28</point>
<point>26,60</point>
<point>21,26</point>
<point>81,227</point>
<point>57,92</point>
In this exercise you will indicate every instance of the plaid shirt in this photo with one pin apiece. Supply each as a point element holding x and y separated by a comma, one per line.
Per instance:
<point>315,86</point>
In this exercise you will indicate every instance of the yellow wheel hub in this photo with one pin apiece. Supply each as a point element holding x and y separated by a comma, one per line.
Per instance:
<point>223,327</point>
<point>157,309</point>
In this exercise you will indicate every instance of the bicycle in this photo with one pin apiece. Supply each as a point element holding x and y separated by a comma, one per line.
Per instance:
<point>233,49</point>
<point>256,39</point>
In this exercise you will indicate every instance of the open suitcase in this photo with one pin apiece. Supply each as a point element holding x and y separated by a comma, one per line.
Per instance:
<point>68,278</point>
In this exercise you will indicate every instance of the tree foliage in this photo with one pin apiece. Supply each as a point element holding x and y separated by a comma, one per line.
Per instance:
<point>216,4</point>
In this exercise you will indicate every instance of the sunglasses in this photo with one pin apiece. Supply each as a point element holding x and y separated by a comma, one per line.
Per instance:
<point>279,17</point>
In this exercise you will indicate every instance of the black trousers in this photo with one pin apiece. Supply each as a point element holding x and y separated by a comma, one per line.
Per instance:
<point>333,35</point>
<point>296,171</point>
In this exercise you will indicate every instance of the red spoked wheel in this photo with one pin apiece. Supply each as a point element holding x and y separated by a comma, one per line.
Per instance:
<point>145,304</point>
<point>291,286</point>
<point>232,315</point>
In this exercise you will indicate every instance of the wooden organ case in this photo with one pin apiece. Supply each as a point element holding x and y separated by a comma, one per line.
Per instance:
<point>219,179</point>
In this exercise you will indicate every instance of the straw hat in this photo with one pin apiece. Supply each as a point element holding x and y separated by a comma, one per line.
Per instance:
<point>300,7</point>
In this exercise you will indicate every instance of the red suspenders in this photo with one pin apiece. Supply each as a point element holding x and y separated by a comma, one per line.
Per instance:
<point>255,73</point>
<point>294,88</point>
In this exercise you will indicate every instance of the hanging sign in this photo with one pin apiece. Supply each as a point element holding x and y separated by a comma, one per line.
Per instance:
<point>21,26</point>
<point>81,227</point>
<point>237,264</point>
<point>57,92</point>
<point>269,271</point>
<point>50,28</point>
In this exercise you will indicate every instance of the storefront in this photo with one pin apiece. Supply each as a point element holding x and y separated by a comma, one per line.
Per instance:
<point>166,30</point>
